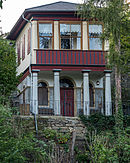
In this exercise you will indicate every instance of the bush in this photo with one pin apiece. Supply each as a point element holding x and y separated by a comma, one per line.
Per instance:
<point>98,122</point>
<point>102,123</point>
<point>106,139</point>
<point>58,137</point>
<point>18,147</point>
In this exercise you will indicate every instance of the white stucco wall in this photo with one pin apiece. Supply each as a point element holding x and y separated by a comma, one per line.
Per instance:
<point>26,62</point>
<point>23,63</point>
<point>75,77</point>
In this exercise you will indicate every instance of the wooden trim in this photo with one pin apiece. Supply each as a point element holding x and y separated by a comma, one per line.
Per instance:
<point>23,91</point>
<point>46,22</point>
<point>29,41</point>
<point>23,47</point>
<point>69,67</point>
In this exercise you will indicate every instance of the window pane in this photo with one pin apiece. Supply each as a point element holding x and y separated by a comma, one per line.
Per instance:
<point>45,43</point>
<point>95,44</point>
<point>42,96</point>
<point>75,30</point>
<point>95,30</point>
<point>75,43</point>
<point>65,29</point>
<point>45,29</point>
<point>65,43</point>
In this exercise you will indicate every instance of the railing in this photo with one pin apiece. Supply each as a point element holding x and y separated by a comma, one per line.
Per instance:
<point>70,57</point>
<point>68,108</point>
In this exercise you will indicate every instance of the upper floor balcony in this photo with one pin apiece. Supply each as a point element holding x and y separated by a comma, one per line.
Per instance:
<point>70,57</point>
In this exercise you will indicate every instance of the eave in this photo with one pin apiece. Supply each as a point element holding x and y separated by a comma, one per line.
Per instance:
<point>20,24</point>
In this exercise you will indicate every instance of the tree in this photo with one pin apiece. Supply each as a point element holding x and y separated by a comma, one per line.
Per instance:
<point>115,16</point>
<point>1,3</point>
<point>8,78</point>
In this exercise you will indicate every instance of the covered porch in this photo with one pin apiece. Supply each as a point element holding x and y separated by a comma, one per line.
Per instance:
<point>70,93</point>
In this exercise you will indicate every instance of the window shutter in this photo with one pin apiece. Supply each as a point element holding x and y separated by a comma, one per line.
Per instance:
<point>29,40</point>
<point>23,48</point>
<point>18,52</point>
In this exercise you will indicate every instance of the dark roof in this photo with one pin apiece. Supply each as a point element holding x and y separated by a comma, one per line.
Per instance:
<point>57,6</point>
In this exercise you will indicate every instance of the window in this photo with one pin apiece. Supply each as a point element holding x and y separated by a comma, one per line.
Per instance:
<point>70,36</point>
<point>45,36</point>
<point>42,94</point>
<point>95,31</point>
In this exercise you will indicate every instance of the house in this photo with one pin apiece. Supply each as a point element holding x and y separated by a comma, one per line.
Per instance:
<point>62,61</point>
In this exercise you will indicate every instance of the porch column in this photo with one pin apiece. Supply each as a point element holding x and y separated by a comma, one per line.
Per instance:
<point>35,91</point>
<point>56,91</point>
<point>108,102</point>
<point>86,109</point>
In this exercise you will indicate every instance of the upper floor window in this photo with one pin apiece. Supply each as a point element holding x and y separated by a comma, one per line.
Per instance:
<point>45,35</point>
<point>70,36</point>
<point>95,31</point>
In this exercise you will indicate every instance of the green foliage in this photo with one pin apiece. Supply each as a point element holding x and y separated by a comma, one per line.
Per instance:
<point>62,138</point>
<point>119,118</point>
<point>106,139</point>
<point>18,147</point>
<point>115,16</point>
<point>1,3</point>
<point>58,137</point>
<point>49,133</point>
<point>98,122</point>
<point>8,78</point>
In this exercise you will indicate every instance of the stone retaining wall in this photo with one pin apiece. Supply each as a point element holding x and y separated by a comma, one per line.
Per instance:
<point>59,123</point>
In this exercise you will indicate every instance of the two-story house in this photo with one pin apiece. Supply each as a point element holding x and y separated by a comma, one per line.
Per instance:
<point>62,61</point>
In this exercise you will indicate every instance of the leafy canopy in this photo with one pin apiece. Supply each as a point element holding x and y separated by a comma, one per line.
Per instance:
<point>115,16</point>
<point>1,3</point>
<point>8,78</point>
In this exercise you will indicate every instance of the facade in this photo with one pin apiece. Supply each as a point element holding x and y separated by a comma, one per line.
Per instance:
<point>62,61</point>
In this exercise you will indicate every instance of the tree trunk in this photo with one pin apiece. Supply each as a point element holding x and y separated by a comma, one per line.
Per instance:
<point>117,80</point>
<point>118,88</point>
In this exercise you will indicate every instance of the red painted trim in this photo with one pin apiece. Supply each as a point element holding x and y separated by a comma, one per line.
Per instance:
<point>58,18</point>
<point>74,57</point>
<point>68,68</point>
<point>24,76</point>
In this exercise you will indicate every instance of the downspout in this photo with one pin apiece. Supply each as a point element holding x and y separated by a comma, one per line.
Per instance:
<point>31,89</point>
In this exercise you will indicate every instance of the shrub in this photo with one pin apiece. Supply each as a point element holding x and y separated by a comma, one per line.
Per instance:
<point>18,147</point>
<point>106,139</point>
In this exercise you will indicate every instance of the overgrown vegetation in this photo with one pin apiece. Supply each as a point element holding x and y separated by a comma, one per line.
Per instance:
<point>107,139</point>
<point>8,65</point>
<point>19,143</point>
<point>16,146</point>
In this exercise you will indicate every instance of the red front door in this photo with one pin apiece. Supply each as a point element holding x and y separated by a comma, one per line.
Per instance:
<point>67,101</point>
